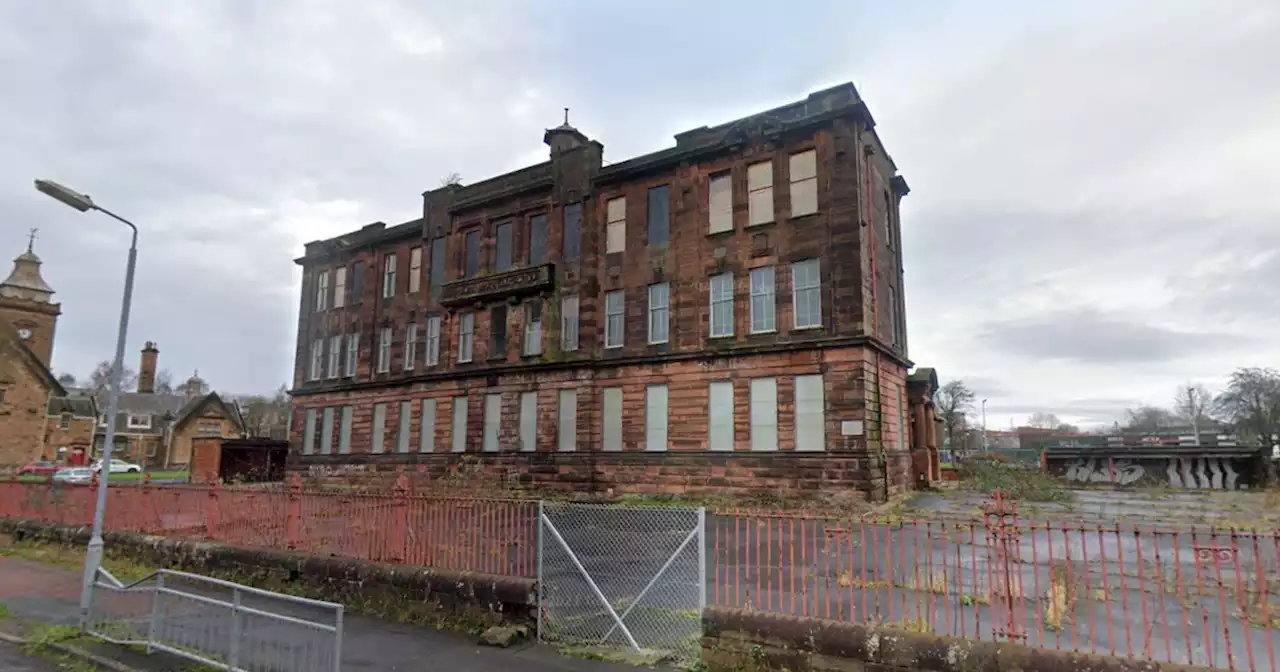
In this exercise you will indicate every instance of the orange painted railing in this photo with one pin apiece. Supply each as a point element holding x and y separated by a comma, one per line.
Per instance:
<point>495,536</point>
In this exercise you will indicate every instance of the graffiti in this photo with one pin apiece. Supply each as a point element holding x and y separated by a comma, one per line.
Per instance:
<point>1205,473</point>
<point>1121,472</point>
<point>326,471</point>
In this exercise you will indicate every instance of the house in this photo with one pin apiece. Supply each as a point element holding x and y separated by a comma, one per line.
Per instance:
<point>154,427</point>
<point>726,313</point>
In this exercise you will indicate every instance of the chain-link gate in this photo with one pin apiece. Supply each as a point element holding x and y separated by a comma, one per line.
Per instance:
<point>630,577</point>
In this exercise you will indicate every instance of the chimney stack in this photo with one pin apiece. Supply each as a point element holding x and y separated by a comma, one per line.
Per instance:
<point>147,369</point>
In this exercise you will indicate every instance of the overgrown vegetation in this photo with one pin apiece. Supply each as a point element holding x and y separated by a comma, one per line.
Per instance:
<point>988,473</point>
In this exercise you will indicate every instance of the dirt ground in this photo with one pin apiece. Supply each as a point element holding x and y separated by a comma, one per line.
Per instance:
<point>1250,510</point>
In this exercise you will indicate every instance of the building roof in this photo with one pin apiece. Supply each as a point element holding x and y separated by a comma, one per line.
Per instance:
<point>190,409</point>
<point>25,281</point>
<point>139,403</point>
<point>79,406</point>
<point>820,106</point>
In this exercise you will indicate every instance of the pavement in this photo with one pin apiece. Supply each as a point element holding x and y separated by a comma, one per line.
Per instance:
<point>43,593</point>
<point>12,659</point>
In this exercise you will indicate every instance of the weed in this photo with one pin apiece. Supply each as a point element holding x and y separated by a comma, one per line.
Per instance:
<point>42,638</point>
<point>1017,482</point>
<point>4,612</point>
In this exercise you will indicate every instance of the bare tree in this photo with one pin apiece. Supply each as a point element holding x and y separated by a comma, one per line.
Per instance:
<point>1044,420</point>
<point>100,379</point>
<point>265,416</point>
<point>1150,419</point>
<point>450,180</point>
<point>1192,403</point>
<point>1251,403</point>
<point>164,382</point>
<point>954,401</point>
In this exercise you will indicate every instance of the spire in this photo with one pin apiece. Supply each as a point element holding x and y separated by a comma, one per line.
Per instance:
<point>564,137</point>
<point>31,236</point>
<point>25,281</point>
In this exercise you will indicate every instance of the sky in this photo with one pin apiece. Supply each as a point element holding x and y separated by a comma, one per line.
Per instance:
<point>1094,217</point>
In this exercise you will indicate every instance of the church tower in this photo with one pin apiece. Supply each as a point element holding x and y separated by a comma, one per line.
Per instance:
<point>26,302</point>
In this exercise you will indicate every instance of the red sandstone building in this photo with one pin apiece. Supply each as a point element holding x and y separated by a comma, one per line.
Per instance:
<point>725,314</point>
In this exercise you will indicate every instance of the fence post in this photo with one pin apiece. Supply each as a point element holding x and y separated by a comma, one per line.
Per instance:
<point>294,515</point>
<point>400,524</point>
<point>1001,517</point>
<point>149,522</point>
<point>211,512</point>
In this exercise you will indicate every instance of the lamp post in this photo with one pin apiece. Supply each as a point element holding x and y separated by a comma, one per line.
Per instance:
<point>984,425</point>
<point>93,556</point>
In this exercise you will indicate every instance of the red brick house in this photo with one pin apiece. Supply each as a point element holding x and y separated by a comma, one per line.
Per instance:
<point>722,315</point>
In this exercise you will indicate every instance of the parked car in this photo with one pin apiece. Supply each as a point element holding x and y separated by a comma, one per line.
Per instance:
<point>118,467</point>
<point>39,468</point>
<point>73,475</point>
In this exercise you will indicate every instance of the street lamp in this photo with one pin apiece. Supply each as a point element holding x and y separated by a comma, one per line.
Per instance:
<point>984,425</point>
<point>93,556</point>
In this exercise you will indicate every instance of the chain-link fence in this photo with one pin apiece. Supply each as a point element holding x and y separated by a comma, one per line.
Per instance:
<point>622,577</point>
<point>221,624</point>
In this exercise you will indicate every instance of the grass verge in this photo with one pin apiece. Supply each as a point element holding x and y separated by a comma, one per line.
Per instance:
<point>72,558</point>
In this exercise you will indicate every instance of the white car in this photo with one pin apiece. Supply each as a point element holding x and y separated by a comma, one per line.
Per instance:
<point>73,475</point>
<point>118,467</point>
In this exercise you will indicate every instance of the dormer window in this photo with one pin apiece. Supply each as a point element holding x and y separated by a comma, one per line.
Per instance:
<point>139,421</point>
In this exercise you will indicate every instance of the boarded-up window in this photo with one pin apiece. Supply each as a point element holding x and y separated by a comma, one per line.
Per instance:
<point>379,428</point>
<point>402,431</point>
<point>567,425</point>
<point>612,430</point>
<point>811,419</point>
<point>308,433</point>
<point>720,203</point>
<point>764,414</point>
<point>616,229</point>
<point>804,183</point>
<point>427,427</point>
<point>459,429</point>
<point>529,421</point>
<point>720,416</point>
<point>326,432</point>
<point>492,421</point>
<point>760,193</point>
<point>655,418</point>
<point>344,434</point>
<point>415,270</point>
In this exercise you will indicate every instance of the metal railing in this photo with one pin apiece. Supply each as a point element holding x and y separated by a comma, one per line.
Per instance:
<point>1202,596</point>
<point>493,536</point>
<point>219,623</point>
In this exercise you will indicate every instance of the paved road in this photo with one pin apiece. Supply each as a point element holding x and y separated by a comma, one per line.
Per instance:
<point>12,659</point>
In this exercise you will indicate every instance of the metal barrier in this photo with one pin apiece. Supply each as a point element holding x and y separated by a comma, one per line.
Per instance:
<point>218,623</point>
<point>632,577</point>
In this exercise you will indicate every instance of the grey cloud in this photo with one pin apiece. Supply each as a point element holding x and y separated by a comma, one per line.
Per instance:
<point>1052,149</point>
<point>1095,338</point>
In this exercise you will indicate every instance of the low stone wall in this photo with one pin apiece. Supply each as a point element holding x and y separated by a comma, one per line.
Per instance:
<point>439,598</point>
<point>874,476</point>
<point>741,640</point>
